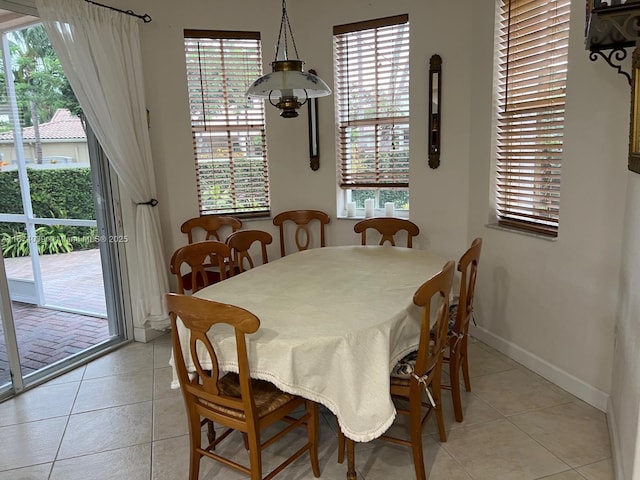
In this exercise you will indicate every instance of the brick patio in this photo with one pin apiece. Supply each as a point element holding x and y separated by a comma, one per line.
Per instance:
<point>45,335</point>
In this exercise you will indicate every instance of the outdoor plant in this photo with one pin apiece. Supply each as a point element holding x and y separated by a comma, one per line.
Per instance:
<point>56,193</point>
<point>49,239</point>
<point>15,244</point>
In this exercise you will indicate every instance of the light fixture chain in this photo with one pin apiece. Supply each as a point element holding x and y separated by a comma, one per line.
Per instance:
<point>282,34</point>
<point>293,40</point>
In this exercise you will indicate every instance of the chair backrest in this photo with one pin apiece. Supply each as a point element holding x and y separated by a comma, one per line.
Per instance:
<point>468,268</point>
<point>198,257</point>
<point>388,227</point>
<point>436,288</point>
<point>301,218</point>
<point>240,243</point>
<point>211,224</point>
<point>201,391</point>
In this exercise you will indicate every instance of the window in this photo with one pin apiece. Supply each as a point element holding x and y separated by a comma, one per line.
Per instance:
<point>372,109</point>
<point>532,74</point>
<point>228,129</point>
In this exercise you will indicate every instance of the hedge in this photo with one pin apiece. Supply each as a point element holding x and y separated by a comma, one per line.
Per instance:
<point>55,193</point>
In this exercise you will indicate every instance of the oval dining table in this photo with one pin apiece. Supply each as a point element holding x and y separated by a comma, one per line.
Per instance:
<point>333,323</point>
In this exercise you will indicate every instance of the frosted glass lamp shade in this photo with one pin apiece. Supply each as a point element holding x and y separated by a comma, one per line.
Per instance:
<point>288,80</point>
<point>289,83</point>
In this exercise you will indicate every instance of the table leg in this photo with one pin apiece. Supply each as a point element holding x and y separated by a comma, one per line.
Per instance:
<point>351,463</point>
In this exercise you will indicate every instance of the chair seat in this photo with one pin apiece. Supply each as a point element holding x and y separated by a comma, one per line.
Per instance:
<point>266,395</point>
<point>453,313</point>
<point>404,368</point>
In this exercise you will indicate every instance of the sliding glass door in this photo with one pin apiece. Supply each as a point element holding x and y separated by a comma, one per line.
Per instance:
<point>60,279</point>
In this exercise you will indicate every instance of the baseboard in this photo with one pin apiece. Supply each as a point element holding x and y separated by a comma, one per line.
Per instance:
<point>146,334</point>
<point>612,424</point>
<point>590,394</point>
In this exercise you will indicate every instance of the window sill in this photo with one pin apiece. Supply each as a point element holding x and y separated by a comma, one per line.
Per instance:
<point>495,226</point>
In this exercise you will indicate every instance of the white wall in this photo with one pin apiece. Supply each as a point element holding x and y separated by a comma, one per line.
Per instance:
<point>550,304</point>
<point>624,415</point>
<point>441,216</point>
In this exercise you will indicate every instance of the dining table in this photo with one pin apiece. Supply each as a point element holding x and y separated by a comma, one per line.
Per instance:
<point>333,323</point>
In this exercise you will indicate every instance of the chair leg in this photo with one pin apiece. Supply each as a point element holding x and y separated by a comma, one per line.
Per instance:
<point>245,437</point>
<point>465,364</point>
<point>351,459</point>
<point>454,378</point>
<point>195,442</point>
<point>194,465</point>
<point>211,432</point>
<point>415,430</point>
<point>436,391</point>
<point>340,445</point>
<point>255,454</point>
<point>312,435</point>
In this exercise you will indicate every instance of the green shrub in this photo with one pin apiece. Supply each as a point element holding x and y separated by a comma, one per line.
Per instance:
<point>55,193</point>
<point>49,239</point>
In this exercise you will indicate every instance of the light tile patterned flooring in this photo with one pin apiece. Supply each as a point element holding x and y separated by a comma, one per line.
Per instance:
<point>117,418</point>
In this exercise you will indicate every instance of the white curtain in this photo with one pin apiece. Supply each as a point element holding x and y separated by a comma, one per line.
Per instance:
<point>99,50</point>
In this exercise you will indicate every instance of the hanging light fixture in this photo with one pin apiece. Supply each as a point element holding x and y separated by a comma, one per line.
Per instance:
<point>287,82</point>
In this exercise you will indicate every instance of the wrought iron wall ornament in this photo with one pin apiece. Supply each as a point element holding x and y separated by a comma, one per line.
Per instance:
<point>634,123</point>
<point>314,148</point>
<point>435,109</point>
<point>616,27</point>
<point>617,54</point>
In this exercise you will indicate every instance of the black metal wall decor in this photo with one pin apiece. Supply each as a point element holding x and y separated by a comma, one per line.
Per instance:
<point>435,109</point>
<point>314,149</point>
<point>634,124</point>
<point>611,29</point>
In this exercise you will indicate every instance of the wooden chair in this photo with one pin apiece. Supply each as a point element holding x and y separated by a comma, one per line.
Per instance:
<point>459,317</point>
<point>212,226</point>
<point>388,227</point>
<point>301,218</point>
<point>240,243</point>
<point>200,257</point>
<point>419,372</point>
<point>233,400</point>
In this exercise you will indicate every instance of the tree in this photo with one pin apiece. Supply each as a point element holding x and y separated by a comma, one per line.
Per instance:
<point>40,84</point>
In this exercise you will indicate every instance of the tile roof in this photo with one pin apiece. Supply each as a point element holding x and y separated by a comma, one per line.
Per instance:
<point>62,126</point>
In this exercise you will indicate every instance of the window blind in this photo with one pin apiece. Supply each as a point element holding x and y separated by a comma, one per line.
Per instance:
<point>228,129</point>
<point>532,74</point>
<point>372,98</point>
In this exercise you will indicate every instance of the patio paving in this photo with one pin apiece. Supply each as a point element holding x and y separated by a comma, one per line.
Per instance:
<point>45,335</point>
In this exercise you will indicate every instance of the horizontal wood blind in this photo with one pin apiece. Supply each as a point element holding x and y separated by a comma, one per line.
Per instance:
<point>372,96</point>
<point>228,129</point>
<point>534,38</point>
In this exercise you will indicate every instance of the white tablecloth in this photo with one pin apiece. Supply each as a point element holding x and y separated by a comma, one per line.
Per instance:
<point>334,321</point>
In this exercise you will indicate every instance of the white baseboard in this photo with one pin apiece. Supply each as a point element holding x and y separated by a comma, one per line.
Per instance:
<point>590,394</point>
<point>612,424</point>
<point>146,334</point>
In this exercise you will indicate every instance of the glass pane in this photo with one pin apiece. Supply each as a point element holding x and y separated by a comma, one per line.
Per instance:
<point>400,198</point>
<point>54,268</point>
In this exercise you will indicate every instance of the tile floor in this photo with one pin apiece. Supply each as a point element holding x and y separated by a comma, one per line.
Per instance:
<point>117,418</point>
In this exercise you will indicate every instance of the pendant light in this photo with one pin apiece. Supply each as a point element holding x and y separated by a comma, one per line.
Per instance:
<point>287,83</point>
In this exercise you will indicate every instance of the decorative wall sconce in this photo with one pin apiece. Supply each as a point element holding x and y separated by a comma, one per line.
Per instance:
<point>634,124</point>
<point>435,107</point>
<point>314,149</point>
